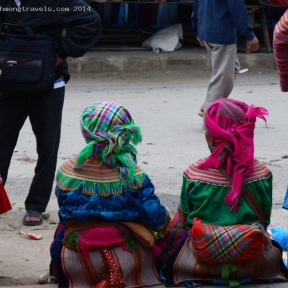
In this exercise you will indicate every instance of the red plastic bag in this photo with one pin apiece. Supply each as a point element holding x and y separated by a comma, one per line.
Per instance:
<point>5,204</point>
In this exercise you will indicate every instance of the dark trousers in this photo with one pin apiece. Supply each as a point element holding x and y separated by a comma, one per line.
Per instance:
<point>45,115</point>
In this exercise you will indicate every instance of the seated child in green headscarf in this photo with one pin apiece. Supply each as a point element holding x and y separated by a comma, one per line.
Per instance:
<point>109,214</point>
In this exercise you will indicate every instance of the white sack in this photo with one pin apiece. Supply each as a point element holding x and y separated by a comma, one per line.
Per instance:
<point>166,40</point>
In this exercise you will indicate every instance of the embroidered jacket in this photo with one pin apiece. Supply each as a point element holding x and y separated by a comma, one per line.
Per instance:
<point>95,192</point>
<point>203,193</point>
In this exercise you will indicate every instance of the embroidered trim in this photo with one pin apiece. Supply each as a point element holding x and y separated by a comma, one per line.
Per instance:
<point>214,177</point>
<point>94,177</point>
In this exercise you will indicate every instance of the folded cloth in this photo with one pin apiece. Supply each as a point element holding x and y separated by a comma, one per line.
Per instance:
<point>280,235</point>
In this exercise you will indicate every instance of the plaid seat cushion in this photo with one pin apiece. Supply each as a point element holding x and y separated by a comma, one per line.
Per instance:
<point>220,244</point>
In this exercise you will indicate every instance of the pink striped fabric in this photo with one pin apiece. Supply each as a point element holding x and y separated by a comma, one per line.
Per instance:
<point>280,44</point>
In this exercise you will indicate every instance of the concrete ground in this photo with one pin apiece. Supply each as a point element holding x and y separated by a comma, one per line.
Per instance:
<point>163,92</point>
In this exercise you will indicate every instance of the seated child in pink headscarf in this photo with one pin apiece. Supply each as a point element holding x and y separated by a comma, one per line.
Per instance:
<point>219,232</point>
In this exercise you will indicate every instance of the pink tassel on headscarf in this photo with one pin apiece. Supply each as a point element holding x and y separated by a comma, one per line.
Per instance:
<point>233,134</point>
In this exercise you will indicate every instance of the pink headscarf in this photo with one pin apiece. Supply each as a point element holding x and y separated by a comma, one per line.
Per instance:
<point>231,124</point>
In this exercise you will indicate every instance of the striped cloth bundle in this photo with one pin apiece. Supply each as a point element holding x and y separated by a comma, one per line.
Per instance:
<point>108,255</point>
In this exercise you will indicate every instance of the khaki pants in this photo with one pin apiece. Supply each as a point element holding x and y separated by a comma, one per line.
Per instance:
<point>225,67</point>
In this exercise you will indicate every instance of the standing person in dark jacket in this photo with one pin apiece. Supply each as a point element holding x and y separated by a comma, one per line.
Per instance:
<point>216,23</point>
<point>47,17</point>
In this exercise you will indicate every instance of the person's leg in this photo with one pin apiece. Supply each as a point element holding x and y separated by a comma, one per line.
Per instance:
<point>45,116</point>
<point>13,112</point>
<point>237,66</point>
<point>225,67</point>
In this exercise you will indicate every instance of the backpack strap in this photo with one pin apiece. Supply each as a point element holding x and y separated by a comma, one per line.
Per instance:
<point>249,197</point>
<point>254,203</point>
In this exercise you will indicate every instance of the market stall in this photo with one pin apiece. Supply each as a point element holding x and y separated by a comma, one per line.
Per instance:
<point>130,22</point>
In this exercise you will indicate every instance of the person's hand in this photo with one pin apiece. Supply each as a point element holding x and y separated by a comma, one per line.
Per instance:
<point>201,42</point>
<point>58,60</point>
<point>253,45</point>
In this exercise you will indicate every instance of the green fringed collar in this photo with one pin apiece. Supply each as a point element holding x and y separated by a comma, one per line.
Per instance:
<point>94,174</point>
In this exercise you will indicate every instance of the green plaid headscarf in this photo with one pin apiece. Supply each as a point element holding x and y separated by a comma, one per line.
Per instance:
<point>108,129</point>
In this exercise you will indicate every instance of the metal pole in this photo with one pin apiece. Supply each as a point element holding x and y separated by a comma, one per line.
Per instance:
<point>126,14</point>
